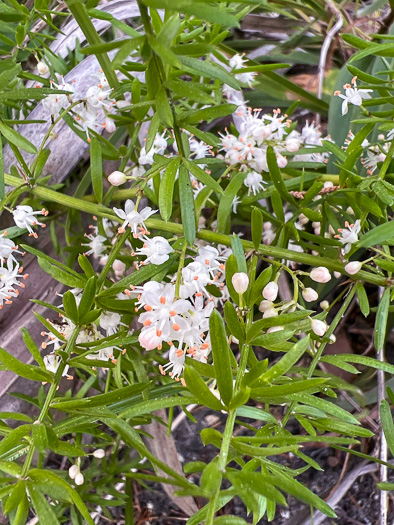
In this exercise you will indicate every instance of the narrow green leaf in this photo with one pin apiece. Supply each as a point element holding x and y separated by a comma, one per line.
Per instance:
<point>221,356</point>
<point>31,346</point>
<point>234,323</point>
<point>199,389</point>
<point>362,299</point>
<point>190,91</point>
<point>163,108</point>
<point>238,253</point>
<point>381,320</point>
<point>50,478</point>
<point>28,371</point>
<point>87,299</point>
<point>70,306</point>
<point>287,361</point>
<point>166,191</point>
<point>203,176</point>
<point>257,227</point>
<point>96,164</point>
<point>387,423</point>
<point>42,507</point>
<point>2,183</point>
<point>12,136</point>
<point>226,201</point>
<point>187,205</point>
<point>276,177</point>
<point>209,70</point>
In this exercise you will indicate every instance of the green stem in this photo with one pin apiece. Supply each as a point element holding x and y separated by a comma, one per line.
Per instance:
<point>78,10</point>
<point>228,431</point>
<point>51,394</point>
<point>180,267</point>
<point>46,194</point>
<point>317,356</point>
<point>111,258</point>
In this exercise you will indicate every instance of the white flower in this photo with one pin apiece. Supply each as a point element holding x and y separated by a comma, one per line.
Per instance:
<point>156,250</point>
<point>270,291</point>
<point>176,363</point>
<point>96,245</point>
<point>310,295</point>
<point>99,453</point>
<point>254,181</point>
<point>320,275</point>
<point>353,95</point>
<point>24,217</point>
<point>292,145</point>
<point>318,327</point>
<point>110,322</point>
<point>9,276</point>
<point>162,316</point>
<point>117,178</point>
<point>118,267</point>
<point>195,278</point>
<point>98,97</point>
<point>54,103</point>
<point>353,267</point>
<point>52,363</point>
<point>133,218</point>
<point>235,203</point>
<point>240,281</point>
<point>349,236</point>
<point>7,248</point>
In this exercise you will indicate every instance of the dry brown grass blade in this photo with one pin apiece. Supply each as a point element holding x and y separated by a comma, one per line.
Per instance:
<point>163,447</point>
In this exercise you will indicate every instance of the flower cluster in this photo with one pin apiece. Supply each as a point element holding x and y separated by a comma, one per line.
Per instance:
<point>182,321</point>
<point>93,112</point>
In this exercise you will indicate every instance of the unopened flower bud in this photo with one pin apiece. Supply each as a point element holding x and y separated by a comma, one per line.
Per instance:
<point>265,305</point>
<point>332,339</point>
<point>271,312</point>
<point>73,471</point>
<point>275,329</point>
<point>42,68</point>
<point>270,291</point>
<point>117,178</point>
<point>281,160</point>
<point>324,305</point>
<point>320,274</point>
<point>240,282</point>
<point>292,145</point>
<point>318,327</point>
<point>99,453</point>
<point>310,295</point>
<point>79,479</point>
<point>234,340</point>
<point>118,267</point>
<point>109,125</point>
<point>120,104</point>
<point>353,267</point>
<point>337,275</point>
<point>381,136</point>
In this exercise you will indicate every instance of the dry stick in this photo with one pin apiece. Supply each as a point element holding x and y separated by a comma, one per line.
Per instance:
<point>324,51</point>
<point>340,492</point>
<point>383,442</point>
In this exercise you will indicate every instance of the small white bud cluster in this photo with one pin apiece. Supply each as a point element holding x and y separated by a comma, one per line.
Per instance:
<point>75,474</point>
